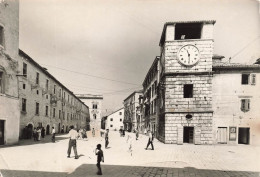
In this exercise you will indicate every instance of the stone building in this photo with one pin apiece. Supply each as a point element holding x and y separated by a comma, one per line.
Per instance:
<point>9,42</point>
<point>185,90</point>
<point>200,98</point>
<point>132,119</point>
<point>94,102</point>
<point>45,102</point>
<point>150,85</point>
<point>114,121</point>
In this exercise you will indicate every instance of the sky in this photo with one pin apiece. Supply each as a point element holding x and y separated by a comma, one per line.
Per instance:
<point>107,46</point>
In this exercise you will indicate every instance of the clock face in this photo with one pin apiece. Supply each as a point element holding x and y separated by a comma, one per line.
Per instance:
<point>188,55</point>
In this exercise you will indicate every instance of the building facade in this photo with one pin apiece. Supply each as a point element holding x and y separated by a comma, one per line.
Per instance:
<point>132,120</point>
<point>114,121</point>
<point>236,99</point>
<point>199,98</point>
<point>45,102</point>
<point>150,107</point>
<point>186,111</point>
<point>94,102</point>
<point>9,101</point>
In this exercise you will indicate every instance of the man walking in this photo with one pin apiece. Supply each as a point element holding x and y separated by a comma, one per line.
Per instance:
<point>150,140</point>
<point>53,135</point>
<point>106,138</point>
<point>73,134</point>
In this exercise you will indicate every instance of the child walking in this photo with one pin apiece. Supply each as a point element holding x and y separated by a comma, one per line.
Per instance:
<point>100,157</point>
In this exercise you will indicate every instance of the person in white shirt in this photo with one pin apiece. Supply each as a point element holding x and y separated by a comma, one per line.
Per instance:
<point>73,134</point>
<point>53,135</point>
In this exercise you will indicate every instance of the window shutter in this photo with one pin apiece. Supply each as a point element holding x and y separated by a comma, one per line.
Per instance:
<point>242,105</point>
<point>248,104</point>
<point>253,79</point>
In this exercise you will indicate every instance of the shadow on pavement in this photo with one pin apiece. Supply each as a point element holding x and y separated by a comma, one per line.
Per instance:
<point>47,139</point>
<point>130,171</point>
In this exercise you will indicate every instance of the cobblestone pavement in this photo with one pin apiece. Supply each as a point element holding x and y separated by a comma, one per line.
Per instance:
<point>45,158</point>
<point>131,171</point>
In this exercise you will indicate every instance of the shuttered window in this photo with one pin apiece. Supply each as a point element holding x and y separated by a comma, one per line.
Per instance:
<point>253,79</point>
<point>245,105</point>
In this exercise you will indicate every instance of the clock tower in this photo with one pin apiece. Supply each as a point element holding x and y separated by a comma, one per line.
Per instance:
<point>185,89</point>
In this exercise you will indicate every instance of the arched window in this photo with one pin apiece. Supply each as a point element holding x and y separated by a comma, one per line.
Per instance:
<point>94,116</point>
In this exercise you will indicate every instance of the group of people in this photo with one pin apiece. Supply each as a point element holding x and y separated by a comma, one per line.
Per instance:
<point>38,133</point>
<point>73,135</point>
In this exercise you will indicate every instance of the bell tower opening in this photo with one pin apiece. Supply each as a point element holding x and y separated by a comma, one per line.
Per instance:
<point>188,31</point>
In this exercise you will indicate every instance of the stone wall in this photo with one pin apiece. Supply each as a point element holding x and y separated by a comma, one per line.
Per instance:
<point>202,93</point>
<point>204,64</point>
<point>202,123</point>
<point>9,102</point>
<point>175,77</point>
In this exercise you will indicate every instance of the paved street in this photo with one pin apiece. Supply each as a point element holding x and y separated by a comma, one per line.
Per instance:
<point>45,158</point>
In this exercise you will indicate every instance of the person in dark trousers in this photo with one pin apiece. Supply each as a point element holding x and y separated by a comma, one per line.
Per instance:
<point>106,138</point>
<point>43,132</point>
<point>136,134</point>
<point>93,132</point>
<point>100,157</point>
<point>73,134</point>
<point>123,133</point>
<point>150,140</point>
<point>53,135</point>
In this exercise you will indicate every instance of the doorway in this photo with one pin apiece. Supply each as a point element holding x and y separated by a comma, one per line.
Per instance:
<point>2,132</point>
<point>48,130</point>
<point>188,134</point>
<point>30,130</point>
<point>222,135</point>
<point>243,135</point>
<point>59,128</point>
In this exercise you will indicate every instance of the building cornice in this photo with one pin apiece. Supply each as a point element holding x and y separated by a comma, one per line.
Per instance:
<point>186,73</point>
<point>30,60</point>
<point>185,112</point>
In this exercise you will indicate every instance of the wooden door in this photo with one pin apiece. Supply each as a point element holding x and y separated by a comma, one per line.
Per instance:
<point>222,135</point>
